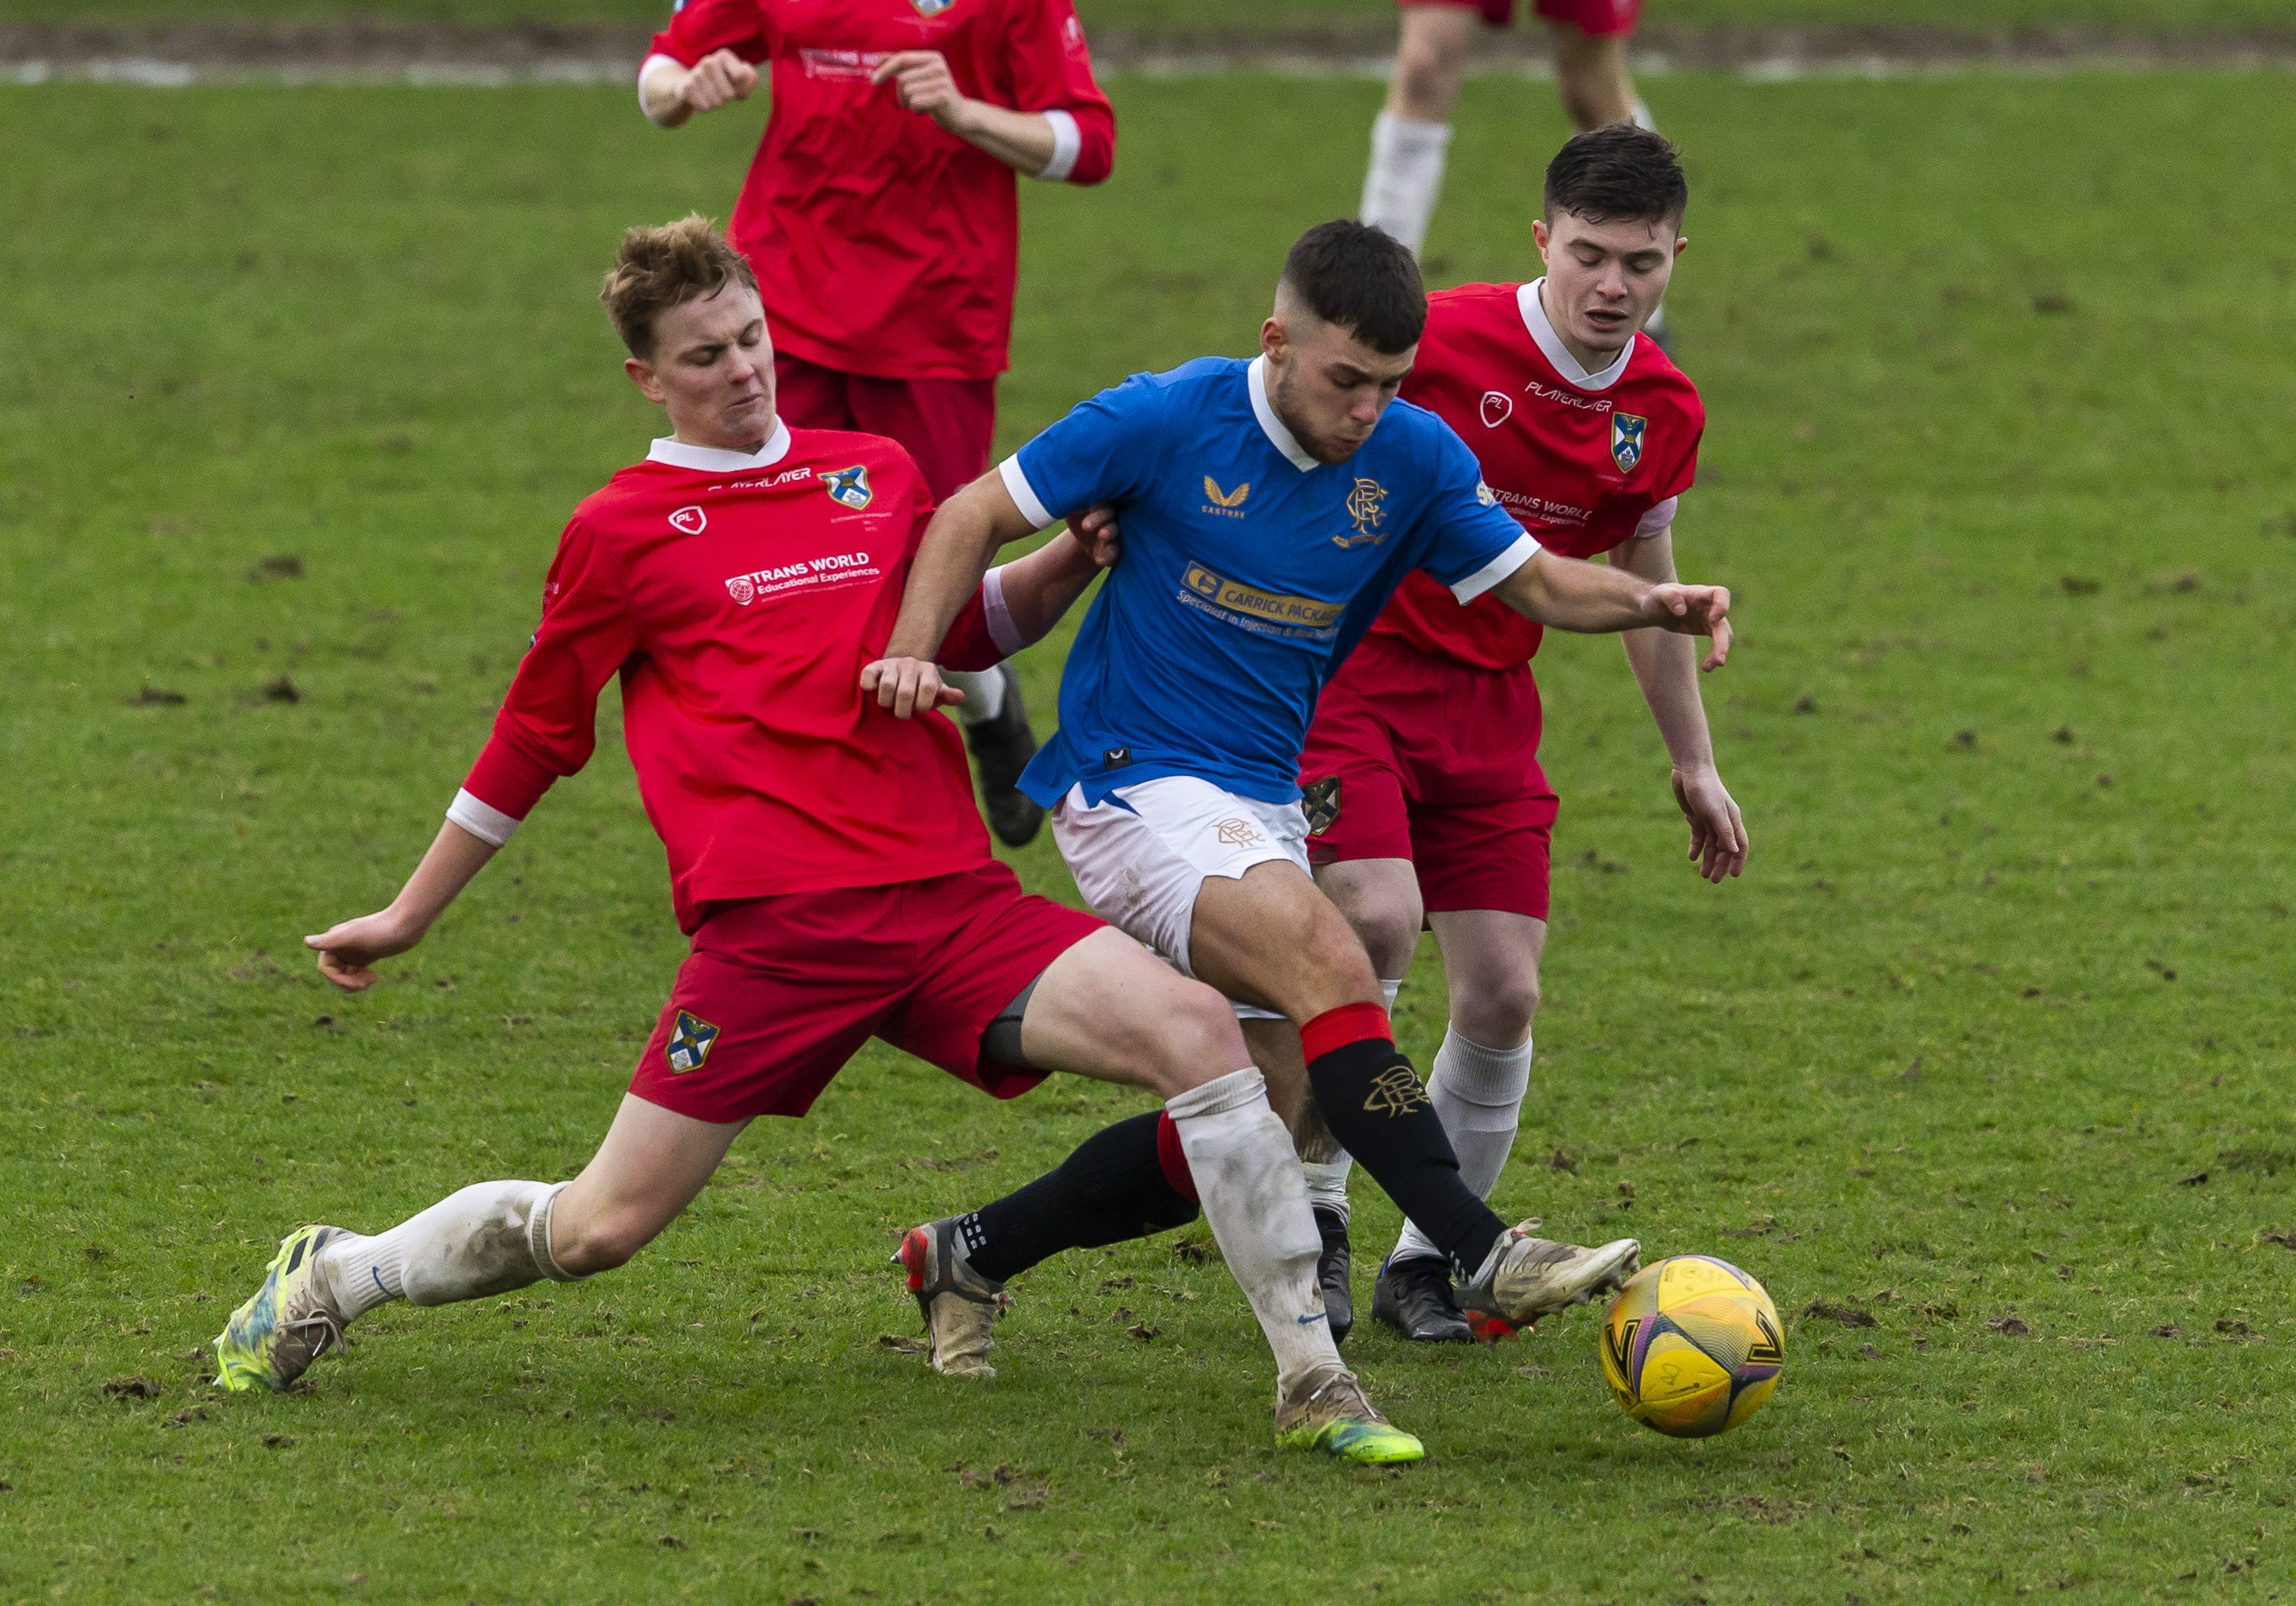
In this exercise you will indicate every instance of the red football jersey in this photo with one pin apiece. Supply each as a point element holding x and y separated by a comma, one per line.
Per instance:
<point>883,245</point>
<point>1579,458</point>
<point>738,597</point>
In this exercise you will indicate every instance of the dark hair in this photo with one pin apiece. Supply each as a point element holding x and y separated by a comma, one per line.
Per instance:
<point>661,268</point>
<point>1618,173</point>
<point>1362,279</point>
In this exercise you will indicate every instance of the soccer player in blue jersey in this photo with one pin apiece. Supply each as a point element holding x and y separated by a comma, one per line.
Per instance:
<point>1268,509</point>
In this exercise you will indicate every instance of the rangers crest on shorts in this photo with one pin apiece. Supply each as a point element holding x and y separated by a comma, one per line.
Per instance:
<point>1320,800</point>
<point>689,1044</point>
<point>1626,441</point>
<point>850,486</point>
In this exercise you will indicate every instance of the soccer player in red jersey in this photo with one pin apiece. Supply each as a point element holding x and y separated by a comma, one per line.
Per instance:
<point>825,858</point>
<point>881,216</point>
<point>1424,796</point>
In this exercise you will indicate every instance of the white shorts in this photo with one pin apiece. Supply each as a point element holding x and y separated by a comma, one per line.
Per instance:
<point>1141,854</point>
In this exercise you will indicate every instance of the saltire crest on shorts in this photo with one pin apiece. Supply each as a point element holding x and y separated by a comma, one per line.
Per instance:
<point>689,1044</point>
<point>1320,800</point>
<point>1626,441</point>
<point>850,486</point>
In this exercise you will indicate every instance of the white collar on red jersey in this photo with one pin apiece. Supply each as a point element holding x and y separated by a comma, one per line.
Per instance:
<point>1574,372</point>
<point>1278,437</point>
<point>710,459</point>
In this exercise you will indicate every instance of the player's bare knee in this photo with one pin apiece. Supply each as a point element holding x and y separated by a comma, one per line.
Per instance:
<point>1197,1040</point>
<point>602,1241</point>
<point>1390,930</point>
<point>1498,1013</point>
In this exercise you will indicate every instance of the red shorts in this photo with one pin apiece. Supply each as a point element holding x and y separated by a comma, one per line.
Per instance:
<point>1597,19</point>
<point>945,424</point>
<point>780,992</point>
<point>1419,757</point>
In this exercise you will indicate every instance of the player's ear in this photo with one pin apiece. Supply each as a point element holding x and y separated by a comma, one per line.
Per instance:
<point>1540,237</point>
<point>641,374</point>
<point>1274,338</point>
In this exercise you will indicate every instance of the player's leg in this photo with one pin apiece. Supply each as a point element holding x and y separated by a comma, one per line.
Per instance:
<point>1413,131</point>
<point>947,425</point>
<point>487,1239</point>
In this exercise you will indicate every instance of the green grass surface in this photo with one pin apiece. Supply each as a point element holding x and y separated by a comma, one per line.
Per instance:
<point>1220,16</point>
<point>1999,376</point>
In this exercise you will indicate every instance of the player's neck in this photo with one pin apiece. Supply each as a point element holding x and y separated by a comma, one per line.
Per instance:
<point>1592,358</point>
<point>699,432</point>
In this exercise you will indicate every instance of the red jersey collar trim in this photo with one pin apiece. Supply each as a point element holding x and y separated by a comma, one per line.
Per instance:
<point>710,459</point>
<point>1574,373</point>
<point>1262,408</point>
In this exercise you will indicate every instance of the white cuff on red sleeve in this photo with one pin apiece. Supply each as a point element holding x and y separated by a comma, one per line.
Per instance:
<point>1524,550</point>
<point>1067,141</point>
<point>998,617</point>
<point>1658,520</point>
<point>646,69</point>
<point>483,820</point>
<point>1024,495</point>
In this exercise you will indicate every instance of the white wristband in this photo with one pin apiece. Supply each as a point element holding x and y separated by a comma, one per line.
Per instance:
<point>1001,629</point>
<point>1066,142</point>
<point>483,820</point>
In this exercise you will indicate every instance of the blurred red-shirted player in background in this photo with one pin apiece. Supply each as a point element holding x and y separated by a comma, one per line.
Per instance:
<point>1413,130</point>
<point>881,219</point>
<point>1425,797</point>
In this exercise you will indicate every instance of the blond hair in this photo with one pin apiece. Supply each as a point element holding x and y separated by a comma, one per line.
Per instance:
<point>658,268</point>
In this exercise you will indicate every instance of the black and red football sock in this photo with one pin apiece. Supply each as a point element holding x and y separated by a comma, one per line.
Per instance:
<point>1126,1181</point>
<point>1380,1110</point>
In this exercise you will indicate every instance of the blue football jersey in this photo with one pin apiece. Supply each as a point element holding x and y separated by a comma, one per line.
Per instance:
<point>1249,571</point>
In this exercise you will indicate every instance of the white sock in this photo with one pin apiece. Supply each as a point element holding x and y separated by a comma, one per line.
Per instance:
<point>1327,1179</point>
<point>1477,1093</point>
<point>1240,1157</point>
<point>1643,119</point>
<point>1406,175</point>
<point>983,692</point>
<point>490,1238</point>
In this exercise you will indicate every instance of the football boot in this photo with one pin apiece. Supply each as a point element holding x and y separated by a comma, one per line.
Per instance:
<point>959,1305</point>
<point>288,1323</point>
<point>1002,748</point>
<point>1525,1276</point>
<point>1414,1298</point>
<point>1334,1416</point>
<point>1332,1269</point>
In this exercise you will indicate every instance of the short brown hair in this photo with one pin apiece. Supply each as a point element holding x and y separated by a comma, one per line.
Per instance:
<point>1618,173</point>
<point>1362,279</point>
<point>664,267</point>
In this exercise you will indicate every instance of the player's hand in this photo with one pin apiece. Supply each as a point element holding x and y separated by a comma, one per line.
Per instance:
<point>1696,611</point>
<point>908,686</point>
<point>717,79</point>
<point>1095,530</point>
<point>1717,842</point>
<point>922,81</point>
<point>347,951</point>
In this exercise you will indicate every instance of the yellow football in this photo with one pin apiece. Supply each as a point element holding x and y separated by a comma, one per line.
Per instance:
<point>1691,1346</point>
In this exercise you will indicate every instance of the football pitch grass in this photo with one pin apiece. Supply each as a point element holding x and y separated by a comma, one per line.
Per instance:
<point>1983,1069</point>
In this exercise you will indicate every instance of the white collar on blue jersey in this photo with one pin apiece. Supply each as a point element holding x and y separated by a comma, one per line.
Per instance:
<point>710,459</point>
<point>1262,408</point>
<point>1534,319</point>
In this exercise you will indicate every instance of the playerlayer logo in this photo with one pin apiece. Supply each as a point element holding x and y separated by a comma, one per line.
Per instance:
<point>839,569</point>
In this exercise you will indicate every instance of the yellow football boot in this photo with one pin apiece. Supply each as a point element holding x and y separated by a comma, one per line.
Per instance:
<point>273,1338</point>
<point>1335,1416</point>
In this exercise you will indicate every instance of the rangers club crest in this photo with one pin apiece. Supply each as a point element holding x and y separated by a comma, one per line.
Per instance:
<point>689,1044</point>
<point>1366,505</point>
<point>690,520</point>
<point>850,486</point>
<point>1626,441</point>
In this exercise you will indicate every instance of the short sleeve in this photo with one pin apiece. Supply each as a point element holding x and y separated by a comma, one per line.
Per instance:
<point>700,27</point>
<point>1473,543</point>
<point>1104,450</point>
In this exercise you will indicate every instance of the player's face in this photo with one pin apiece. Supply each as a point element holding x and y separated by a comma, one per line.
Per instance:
<point>1327,387</point>
<point>712,370</point>
<point>1604,279</point>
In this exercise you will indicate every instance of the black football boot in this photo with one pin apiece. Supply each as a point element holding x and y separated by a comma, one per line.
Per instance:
<point>1414,1298</point>
<point>1332,1269</point>
<point>1002,748</point>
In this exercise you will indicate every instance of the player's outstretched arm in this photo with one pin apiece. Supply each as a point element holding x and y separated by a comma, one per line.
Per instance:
<point>347,951</point>
<point>1023,141</point>
<point>1572,594</point>
<point>670,94</point>
<point>1666,667</point>
<point>964,534</point>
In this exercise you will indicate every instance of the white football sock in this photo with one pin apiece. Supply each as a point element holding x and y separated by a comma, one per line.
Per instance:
<point>1642,117</point>
<point>1405,176</point>
<point>490,1238</point>
<point>1240,1158</point>
<point>1327,1179</point>
<point>983,692</point>
<point>1477,1093</point>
